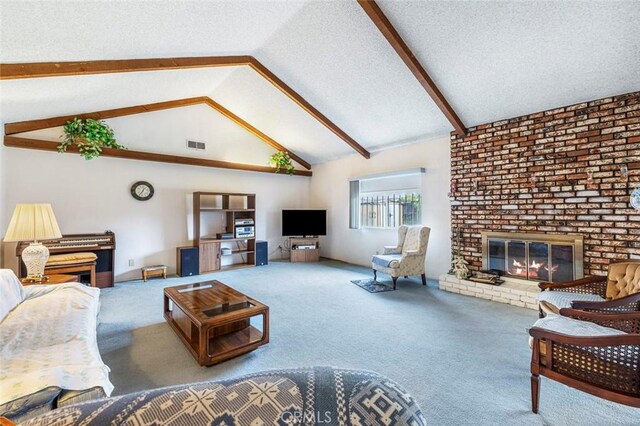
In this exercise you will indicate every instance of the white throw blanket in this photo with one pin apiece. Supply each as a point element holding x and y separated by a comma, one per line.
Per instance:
<point>49,339</point>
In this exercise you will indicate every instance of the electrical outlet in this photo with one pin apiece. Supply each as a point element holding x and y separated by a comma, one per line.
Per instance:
<point>131,262</point>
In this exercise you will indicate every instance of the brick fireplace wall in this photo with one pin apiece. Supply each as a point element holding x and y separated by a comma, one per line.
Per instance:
<point>532,174</point>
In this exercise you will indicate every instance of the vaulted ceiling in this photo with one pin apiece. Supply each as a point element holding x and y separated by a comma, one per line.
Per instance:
<point>491,60</point>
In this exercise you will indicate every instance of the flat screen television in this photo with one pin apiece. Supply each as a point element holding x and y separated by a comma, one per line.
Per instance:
<point>300,223</point>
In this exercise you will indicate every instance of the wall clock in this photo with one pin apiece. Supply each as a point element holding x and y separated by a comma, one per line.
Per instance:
<point>142,190</point>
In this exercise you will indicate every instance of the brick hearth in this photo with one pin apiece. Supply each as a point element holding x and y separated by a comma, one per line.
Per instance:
<point>493,165</point>
<point>516,294</point>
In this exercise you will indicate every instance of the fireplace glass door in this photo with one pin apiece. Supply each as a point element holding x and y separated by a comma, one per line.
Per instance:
<point>497,255</point>
<point>539,261</point>
<point>517,259</point>
<point>562,262</point>
<point>532,260</point>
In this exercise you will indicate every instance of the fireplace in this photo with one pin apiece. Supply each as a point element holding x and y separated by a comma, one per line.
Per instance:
<point>533,257</point>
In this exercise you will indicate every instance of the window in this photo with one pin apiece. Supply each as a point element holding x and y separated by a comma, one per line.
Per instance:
<point>387,200</point>
<point>390,210</point>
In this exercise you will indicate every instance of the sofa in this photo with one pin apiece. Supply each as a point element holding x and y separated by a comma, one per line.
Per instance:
<point>318,395</point>
<point>49,354</point>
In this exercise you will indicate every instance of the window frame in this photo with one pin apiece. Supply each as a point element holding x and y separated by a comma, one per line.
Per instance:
<point>356,196</point>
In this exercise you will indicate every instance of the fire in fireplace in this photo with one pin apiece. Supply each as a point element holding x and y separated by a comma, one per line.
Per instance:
<point>536,257</point>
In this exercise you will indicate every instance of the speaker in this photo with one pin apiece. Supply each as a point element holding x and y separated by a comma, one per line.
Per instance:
<point>188,261</point>
<point>262,253</point>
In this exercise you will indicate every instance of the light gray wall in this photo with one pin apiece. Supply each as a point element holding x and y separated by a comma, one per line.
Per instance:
<point>93,196</point>
<point>330,190</point>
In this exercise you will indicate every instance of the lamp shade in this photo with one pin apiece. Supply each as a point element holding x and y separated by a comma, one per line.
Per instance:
<point>32,222</point>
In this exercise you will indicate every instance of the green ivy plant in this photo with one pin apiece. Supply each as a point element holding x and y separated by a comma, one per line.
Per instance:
<point>281,161</point>
<point>89,135</point>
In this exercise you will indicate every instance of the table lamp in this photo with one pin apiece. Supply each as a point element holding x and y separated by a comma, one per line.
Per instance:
<point>33,222</point>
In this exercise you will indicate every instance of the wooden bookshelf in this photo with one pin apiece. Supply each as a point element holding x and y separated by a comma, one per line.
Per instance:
<point>223,210</point>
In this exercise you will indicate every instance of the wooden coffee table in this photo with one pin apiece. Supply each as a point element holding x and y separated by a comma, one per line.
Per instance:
<point>214,320</point>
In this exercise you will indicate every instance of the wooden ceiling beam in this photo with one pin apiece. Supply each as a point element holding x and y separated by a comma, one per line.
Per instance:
<point>251,129</point>
<point>42,145</point>
<point>379,19</point>
<point>60,69</point>
<point>302,103</point>
<point>46,123</point>
<point>28,126</point>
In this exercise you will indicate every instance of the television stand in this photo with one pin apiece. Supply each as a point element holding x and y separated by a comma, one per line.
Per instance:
<point>305,249</point>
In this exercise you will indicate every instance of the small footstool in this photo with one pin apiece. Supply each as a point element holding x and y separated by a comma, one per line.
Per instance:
<point>154,271</point>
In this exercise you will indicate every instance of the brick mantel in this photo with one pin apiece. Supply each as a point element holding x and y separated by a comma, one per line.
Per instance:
<point>531,174</point>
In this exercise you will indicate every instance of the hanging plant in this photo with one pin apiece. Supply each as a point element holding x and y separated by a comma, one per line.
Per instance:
<point>89,135</point>
<point>281,161</point>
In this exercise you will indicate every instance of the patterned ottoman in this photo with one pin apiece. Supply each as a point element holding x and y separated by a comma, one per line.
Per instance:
<point>305,396</point>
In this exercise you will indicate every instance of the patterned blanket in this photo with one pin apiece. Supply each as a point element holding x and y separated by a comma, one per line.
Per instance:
<point>305,396</point>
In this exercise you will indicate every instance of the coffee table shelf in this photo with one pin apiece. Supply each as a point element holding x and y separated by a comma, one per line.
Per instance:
<point>222,345</point>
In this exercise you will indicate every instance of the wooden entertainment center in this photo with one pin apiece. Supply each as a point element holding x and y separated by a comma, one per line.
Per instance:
<point>233,217</point>
<point>301,251</point>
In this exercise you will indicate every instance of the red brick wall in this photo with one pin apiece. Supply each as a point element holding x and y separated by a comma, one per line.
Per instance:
<point>559,147</point>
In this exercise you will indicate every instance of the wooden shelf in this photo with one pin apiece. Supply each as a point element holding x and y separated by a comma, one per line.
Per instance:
<point>225,343</point>
<point>236,266</point>
<point>238,252</point>
<point>222,240</point>
<point>232,194</point>
<point>215,209</point>
<point>229,209</point>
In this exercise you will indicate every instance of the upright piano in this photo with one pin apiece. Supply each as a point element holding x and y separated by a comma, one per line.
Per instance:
<point>103,245</point>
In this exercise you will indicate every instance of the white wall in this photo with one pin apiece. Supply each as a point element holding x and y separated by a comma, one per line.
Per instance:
<point>330,190</point>
<point>94,196</point>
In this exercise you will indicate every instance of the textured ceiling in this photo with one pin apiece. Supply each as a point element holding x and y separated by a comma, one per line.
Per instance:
<point>343,65</point>
<point>492,60</point>
<point>501,59</point>
<point>35,98</point>
<point>42,30</point>
<point>255,100</point>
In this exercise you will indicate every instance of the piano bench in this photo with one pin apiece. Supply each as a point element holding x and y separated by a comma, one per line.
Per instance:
<point>89,267</point>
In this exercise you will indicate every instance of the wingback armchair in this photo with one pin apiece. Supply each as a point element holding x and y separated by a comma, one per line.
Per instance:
<point>407,257</point>
<point>618,291</point>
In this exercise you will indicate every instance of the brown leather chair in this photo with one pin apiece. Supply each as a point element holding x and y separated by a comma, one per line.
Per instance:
<point>619,291</point>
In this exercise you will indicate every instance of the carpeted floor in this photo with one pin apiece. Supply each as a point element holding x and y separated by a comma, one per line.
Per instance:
<point>465,360</point>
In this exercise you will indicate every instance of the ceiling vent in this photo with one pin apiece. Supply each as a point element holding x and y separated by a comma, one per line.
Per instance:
<point>196,145</point>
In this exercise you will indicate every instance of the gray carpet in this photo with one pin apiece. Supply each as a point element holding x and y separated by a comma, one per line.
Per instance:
<point>465,360</point>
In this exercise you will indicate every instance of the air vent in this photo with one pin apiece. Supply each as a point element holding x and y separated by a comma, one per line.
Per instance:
<point>196,145</point>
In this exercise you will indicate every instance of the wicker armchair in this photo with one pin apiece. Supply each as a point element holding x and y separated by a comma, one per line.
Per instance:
<point>607,366</point>
<point>617,292</point>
